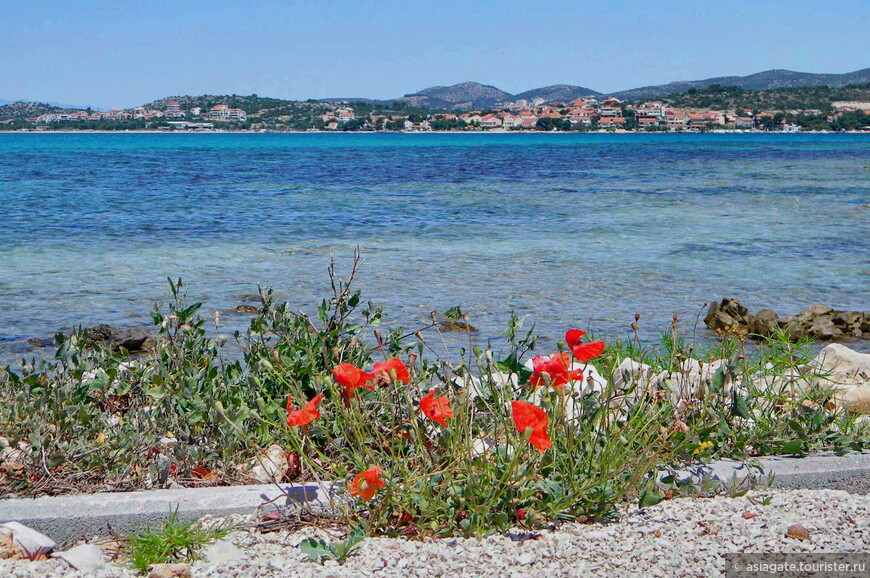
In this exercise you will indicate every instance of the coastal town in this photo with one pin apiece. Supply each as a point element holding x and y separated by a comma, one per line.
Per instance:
<point>589,114</point>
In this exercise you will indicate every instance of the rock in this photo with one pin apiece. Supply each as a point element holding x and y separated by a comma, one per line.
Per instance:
<point>729,313</point>
<point>170,571</point>
<point>222,552</point>
<point>133,340</point>
<point>839,359</point>
<point>526,559</point>
<point>270,466</point>
<point>31,541</point>
<point>248,309</point>
<point>855,400</point>
<point>86,558</point>
<point>797,532</point>
<point>765,323</point>
<point>818,321</point>
<point>101,332</point>
<point>8,549</point>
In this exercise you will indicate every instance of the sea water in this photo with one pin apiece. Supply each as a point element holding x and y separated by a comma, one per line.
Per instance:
<point>568,230</point>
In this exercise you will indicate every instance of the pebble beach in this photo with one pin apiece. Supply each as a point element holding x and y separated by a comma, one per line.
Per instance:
<point>680,537</point>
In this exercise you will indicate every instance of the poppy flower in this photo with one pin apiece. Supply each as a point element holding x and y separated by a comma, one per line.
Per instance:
<point>531,416</point>
<point>436,408</point>
<point>366,483</point>
<point>385,370</point>
<point>351,377</point>
<point>556,367</point>
<point>583,352</point>
<point>306,414</point>
<point>574,337</point>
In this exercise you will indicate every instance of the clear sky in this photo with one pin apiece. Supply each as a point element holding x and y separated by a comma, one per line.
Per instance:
<point>114,54</point>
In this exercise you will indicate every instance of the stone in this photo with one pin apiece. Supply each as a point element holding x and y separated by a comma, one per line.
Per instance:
<point>765,323</point>
<point>86,558</point>
<point>130,339</point>
<point>246,309</point>
<point>133,340</point>
<point>222,552</point>
<point>270,466</point>
<point>838,358</point>
<point>855,400</point>
<point>727,313</point>
<point>817,321</point>
<point>797,532</point>
<point>170,571</point>
<point>31,541</point>
<point>8,549</point>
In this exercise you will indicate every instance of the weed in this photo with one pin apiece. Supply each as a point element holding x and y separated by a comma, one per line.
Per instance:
<point>173,542</point>
<point>320,550</point>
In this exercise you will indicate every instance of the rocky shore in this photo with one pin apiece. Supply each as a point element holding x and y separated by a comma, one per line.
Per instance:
<point>818,322</point>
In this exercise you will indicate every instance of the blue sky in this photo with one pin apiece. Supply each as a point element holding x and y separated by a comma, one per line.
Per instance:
<point>112,54</point>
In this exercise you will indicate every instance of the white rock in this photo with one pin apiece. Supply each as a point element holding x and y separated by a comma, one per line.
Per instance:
<point>525,559</point>
<point>847,368</point>
<point>270,466</point>
<point>222,552</point>
<point>85,558</point>
<point>855,400</point>
<point>28,539</point>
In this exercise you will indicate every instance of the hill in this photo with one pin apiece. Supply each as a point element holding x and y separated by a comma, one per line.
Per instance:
<point>557,92</point>
<point>21,110</point>
<point>767,80</point>
<point>778,99</point>
<point>462,96</point>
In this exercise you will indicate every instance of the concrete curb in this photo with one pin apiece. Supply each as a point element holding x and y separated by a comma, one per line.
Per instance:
<point>67,519</point>
<point>826,470</point>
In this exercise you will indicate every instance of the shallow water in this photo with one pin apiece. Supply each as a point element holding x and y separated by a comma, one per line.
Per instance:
<point>567,229</point>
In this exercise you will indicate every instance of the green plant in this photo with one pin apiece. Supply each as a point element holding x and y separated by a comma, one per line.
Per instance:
<point>172,542</point>
<point>320,550</point>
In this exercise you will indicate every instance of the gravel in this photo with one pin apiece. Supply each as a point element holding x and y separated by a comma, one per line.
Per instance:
<point>681,537</point>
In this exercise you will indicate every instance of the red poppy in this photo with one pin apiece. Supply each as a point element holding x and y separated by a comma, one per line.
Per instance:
<point>531,416</point>
<point>306,414</point>
<point>350,377</point>
<point>574,337</point>
<point>366,483</point>
<point>586,351</point>
<point>386,370</point>
<point>556,367</point>
<point>437,408</point>
<point>583,352</point>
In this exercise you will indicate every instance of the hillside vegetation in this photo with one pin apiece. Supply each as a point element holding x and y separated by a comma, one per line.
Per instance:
<point>718,97</point>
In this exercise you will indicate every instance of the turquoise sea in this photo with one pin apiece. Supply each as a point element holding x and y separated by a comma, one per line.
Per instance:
<point>566,229</point>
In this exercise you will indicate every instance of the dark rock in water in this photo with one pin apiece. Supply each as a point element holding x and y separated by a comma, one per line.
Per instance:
<point>727,314</point>
<point>818,321</point>
<point>457,326</point>
<point>101,332</point>
<point>249,309</point>
<point>132,340</point>
<point>765,323</point>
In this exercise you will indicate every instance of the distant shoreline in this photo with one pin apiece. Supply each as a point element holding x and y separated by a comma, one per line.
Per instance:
<point>456,132</point>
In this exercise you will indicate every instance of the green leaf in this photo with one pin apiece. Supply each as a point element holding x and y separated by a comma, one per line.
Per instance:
<point>739,407</point>
<point>157,392</point>
<point>315,549</point>
<point>650,498</point>
<point>793,447</point>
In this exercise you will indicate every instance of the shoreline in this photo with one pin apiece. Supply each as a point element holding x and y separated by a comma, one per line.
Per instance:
<point>479,132</point>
